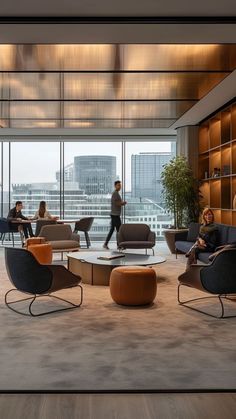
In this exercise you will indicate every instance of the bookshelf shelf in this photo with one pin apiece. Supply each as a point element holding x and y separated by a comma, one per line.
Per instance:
<point>217,164</point>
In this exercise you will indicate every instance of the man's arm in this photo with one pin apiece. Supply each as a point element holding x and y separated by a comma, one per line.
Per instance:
<point>118,200</point>
<point>120,203</point>
<point>23,217</point>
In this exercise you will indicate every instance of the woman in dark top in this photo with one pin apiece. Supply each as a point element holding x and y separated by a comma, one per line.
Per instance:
<point>207,240</point>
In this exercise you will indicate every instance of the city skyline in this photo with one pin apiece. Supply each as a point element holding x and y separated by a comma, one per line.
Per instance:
<point>43,167</point>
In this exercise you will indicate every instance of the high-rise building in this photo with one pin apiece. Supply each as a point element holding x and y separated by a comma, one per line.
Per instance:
<point>146,171</point>
<point>95,174</point>
<point>68,173</point>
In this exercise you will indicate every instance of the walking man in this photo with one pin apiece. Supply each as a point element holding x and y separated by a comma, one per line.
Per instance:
<point>116,204</point>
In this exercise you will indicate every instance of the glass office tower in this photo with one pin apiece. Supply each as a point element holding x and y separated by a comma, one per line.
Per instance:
<point>95,174</point>
<point>146,169</point>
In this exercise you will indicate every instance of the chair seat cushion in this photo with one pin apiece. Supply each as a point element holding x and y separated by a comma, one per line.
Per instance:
<point>64,244</point>
<point>136,245</point>
<point>204,257</point>
<point>183,246</point>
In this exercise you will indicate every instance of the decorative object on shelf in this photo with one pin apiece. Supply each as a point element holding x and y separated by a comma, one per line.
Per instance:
<point>216,172</point>
<point>206,174</point>
<point>180,193</point>
<point>226,170</point>
<point>234,201</point>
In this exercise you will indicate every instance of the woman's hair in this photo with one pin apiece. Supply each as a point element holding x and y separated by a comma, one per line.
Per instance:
<point>204,213</point>
<point>42,208</point>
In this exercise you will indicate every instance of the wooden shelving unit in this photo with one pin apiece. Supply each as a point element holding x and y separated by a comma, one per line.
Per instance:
<point>217,164</point>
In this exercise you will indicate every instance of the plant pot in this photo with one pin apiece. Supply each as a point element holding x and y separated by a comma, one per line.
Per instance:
<point>170,236</point>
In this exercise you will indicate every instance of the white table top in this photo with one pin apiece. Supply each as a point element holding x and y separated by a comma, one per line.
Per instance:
<point>130,259</point>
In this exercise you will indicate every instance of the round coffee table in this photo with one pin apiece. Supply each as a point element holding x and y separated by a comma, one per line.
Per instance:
<point>95,271</point>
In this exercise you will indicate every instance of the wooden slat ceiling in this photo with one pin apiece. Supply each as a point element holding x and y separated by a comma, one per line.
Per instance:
<point>107,86</point>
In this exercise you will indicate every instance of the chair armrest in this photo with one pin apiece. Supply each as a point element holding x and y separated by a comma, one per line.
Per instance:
<point>62,278</point>
<point>191,277</point>
<point>152,237</point>
<point>219,248</point>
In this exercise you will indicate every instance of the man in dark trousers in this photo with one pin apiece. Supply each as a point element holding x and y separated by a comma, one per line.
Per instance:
<point>116,204</point>
<point>16,214</point>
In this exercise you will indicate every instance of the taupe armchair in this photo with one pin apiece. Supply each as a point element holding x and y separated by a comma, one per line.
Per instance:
<point>217,278</point>
<point>41,223</point>
<point>60,237</point>
<point>136,236</point>
<point>28,276</point>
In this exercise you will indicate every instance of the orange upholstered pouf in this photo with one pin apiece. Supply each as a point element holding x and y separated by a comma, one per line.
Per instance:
<point>42,252</point>
<point>133,285</point>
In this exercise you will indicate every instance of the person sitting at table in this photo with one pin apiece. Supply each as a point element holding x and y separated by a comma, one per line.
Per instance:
<point>43,213</point>
<point>15,214</point>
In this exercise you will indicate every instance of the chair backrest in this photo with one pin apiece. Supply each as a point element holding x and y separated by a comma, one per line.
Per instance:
<point>84,224</point>
<point>220,276</point>
<point>4,225</point>
<point>25,273</point>
<point>133,232</point>
<point>41,223</point>
<point>56,232</point>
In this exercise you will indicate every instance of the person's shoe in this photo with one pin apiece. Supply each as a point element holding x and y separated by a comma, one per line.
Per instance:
<point>105,246</point>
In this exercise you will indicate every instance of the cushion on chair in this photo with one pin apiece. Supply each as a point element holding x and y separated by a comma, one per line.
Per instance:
<point>64,244</point>
<point>183,246</point>
<point>42,252</point>
<point>34,240</point>
<point>204,256</point>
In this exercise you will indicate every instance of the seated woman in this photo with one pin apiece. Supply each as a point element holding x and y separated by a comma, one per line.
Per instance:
<point>207,240</point>
<point>42,213</point>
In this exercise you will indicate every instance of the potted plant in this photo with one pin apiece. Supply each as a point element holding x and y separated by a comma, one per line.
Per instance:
<point>181,196</point>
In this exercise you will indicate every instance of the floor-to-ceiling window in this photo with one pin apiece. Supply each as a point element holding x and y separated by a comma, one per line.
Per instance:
<point>76,180</point>
<point>143,188</point>
<point>1,179</point>
<point>90,169</point>
<point>5,179</point>
<point>33,175</point>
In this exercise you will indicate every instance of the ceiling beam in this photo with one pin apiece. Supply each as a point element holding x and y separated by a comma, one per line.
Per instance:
<point>121,33</point>
<point>223,93</point>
